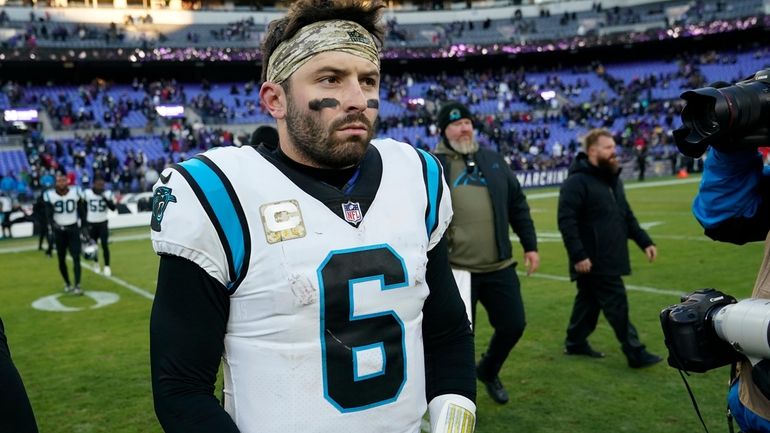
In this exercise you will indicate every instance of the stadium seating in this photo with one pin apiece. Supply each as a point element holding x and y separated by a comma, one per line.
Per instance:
<point>487,28</point>
<point>13,161</point>
<point>638,100</point>
<point>404,118</point>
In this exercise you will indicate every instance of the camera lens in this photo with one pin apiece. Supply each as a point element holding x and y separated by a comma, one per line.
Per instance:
<point>702,118</point>
<point>720,117</point>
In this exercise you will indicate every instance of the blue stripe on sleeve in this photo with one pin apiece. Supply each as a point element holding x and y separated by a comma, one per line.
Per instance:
<point>219,199</point>
<point>432,173</point>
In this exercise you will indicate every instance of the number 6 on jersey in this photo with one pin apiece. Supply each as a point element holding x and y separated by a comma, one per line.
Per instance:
<point>363,355</point>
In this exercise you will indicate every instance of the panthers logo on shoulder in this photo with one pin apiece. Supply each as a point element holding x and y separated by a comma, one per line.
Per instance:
<point>160,199</point>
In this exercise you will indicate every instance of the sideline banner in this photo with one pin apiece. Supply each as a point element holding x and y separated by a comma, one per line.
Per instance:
<point>538,178</point>
<point>135,207</point>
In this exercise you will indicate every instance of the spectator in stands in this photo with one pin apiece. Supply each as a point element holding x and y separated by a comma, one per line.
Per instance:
<point>595,227</point>
<point>8,184</point>
<point>487,199</point>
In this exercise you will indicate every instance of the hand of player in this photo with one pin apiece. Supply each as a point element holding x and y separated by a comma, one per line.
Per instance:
<point>531,262</point>
<point>651,252</point>
<point>583,266</point>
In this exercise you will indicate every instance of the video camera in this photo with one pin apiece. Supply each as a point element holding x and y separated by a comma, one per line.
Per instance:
<point>710,329</point>
<point>726,117</point>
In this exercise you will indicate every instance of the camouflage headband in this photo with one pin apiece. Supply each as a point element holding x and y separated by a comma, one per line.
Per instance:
<point>335,35</point>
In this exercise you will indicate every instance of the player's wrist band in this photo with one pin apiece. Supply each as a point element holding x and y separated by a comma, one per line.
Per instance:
<point>452,413</point>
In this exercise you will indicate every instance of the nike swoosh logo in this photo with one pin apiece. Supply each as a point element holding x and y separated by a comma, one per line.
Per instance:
<point>165,179</point>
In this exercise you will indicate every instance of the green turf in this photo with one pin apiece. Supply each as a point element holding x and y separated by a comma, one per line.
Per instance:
<point>88,371</point>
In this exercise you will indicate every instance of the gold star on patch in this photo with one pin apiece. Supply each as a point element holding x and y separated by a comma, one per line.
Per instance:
<point>356,36</point>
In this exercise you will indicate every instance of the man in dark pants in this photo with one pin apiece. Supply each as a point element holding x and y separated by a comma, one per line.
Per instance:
<point>39,215</point>
<point>15,411</point>
<point>65,209</point>
<point>486,200</point>
<point>97,200</point>
<point>595,222</point>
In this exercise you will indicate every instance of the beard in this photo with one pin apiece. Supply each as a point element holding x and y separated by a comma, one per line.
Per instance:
<point>318,143</point>
<point>464,146</point>
<point>610,165</point>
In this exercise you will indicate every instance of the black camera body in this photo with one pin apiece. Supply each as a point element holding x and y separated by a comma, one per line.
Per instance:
<point>723,116</point>
<point>693,344</point>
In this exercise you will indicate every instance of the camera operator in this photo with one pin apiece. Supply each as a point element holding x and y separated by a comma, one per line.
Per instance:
<point>733,205</point>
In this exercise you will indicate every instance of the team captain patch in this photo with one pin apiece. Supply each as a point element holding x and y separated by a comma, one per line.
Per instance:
<point>282,221</point>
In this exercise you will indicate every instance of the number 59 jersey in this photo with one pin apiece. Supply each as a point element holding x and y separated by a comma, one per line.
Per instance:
<point>326,286</point>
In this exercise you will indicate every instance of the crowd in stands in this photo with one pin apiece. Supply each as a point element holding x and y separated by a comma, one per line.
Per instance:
<point>487,35</point>
<point>512,117</point>
<point>130,165</point>
<point>139,31</point>
<point>615,16</point>
<point>237,31</point>
<point>216,110</point>
<point>97,104</point>
<point>41,28</point>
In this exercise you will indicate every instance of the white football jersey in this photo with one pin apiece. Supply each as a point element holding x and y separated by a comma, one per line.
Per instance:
<point>326,288</point>
<point>96,205</point>
<point>65,207</point>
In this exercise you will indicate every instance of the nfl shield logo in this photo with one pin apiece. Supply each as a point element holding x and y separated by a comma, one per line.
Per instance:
<point>352,212</point>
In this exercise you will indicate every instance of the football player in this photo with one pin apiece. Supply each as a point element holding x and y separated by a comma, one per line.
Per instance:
<point>317,271</point>
<point>98,199</point>
<point>65,208</point>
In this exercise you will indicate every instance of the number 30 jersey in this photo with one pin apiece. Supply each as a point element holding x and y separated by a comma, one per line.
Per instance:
<point>326,285</point>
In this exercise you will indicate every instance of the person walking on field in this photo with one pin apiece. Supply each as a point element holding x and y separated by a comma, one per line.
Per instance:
<point>487,201</point>
<point>596,221</point>
<point>98,199</point>
<point>64,210</point>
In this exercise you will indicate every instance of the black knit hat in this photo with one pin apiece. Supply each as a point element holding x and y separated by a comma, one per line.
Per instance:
<point>266,135</point>
<point>451,111</point>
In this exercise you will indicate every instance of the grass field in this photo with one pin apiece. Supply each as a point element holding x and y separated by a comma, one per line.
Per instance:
<point>87,371</point>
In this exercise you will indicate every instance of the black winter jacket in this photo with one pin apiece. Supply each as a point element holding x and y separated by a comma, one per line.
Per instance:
<point>508,202</point>
<point>596,221</point>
